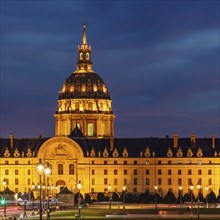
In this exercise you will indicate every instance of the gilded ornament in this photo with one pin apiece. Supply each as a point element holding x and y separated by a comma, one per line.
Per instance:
<point>7,153</point>
<point>147,152</point>
<point>105,152</point>
<point>115,153</point>
<point>125,152</point>
<point>92,153</point>
<point>169,153</point>
<point>189,152</point>
<point>179,152</point>
<point>29,154</point>
<point>16,153</point>
<point>199,152</point>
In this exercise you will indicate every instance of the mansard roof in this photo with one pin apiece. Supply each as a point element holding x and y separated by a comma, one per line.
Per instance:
<point>136,147</point>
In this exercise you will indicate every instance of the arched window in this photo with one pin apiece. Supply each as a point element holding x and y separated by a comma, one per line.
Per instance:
<point>60,169</point>
<point>71,169</point>
<point>90,106</point>
<point>87,56</point>
<point>81,56</point>
<point>77,106</point>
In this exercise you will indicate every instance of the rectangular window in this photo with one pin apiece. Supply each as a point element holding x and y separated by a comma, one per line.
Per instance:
<point>169,162</point>
<point>169,181</point>
<point>105,162</point>
<point>6,172</point>
<point>199,162</point>
<point>115,172</point>
<point>93,172</point>
<point>210,181</point>
<point>179,161</point>
<point>103,129</point>
<point>64,129</point>
<point>159,162</point>
<point>135,181</point>
<point>115,162</point>
<point>125,162</point>
<point>6,162</point>
<point>209,172</point>
<point>71,169</point>
<point>115,182</point>
<point>169,172</point>
<point>147,181</point>
<point>16,172</point>
<point>60,169</point>
<point>125,172</point>
<point>159,172</point>
<point>189,172</point>
<point>90,129</point>
<point>93,181</point>
<point>199,172</point>
<point>93,162</point>
<point>159,181</point>
<point>29,172</point>
<point>29,181</point>
<point>189,181</point>
<point>179,181</point>
<point>135,172</point>
<point>105,172</point>
<point>189,162</point>
<point>16,181</point>
<point>135,162</point>
<point>179,172</point>
<point>16,162</point>
<point>105,181</point>
<point>29,162</point>
<point>147,172</point>
<point>200,181</point>
<point>147,162</point>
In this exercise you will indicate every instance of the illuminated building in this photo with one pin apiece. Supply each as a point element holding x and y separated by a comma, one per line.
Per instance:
<point>84,148</point>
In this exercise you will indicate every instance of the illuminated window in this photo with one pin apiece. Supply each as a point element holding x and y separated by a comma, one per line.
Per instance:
<point>199,162</point>
<point>179,161</point>
<point>90,106</point>
<point>77,106</point>
<point>115,181</point>
<point>147,181</point>
<point>125,172</point>
<point>16,172</point>
<point>93,172</point>
<point>147,162</point>
<point>81,56</point>
<point>135,181</point>
<point>71,169</point>
<point>93,181</point>
<point>60,169</point>
<point>90,129</point>
<point>105,172</point>
<point>103,129</point>
<point>147,172</point>
<point>189,162</point>
<point>115,172</point>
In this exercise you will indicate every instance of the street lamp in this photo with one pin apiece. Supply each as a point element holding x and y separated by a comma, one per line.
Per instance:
<point>79,186</point>
<point>46,169</point>
<point>110,199</point>
<point>191,190</point>
<point>155,196</point>
<point>180,193</point>
<point>124,191</point>
<point>206,189</point>
<point>198,187</point>
<point>33,187</point>
<point>4,201</point>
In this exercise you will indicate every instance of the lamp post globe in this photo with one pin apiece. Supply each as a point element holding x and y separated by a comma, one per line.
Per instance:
<point>198,187</point>
<point>180,191</point>
<point>155,195</point>
<point>79,187</point>
<point>4,202</point>
<point>124,191</point>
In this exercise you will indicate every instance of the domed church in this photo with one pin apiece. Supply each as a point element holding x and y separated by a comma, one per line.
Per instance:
<point>85,150</point>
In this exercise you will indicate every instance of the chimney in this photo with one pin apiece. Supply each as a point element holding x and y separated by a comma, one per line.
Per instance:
<point>213,141</point>
<point>111,143</point>
<point>193,139</point>
<point>175,140</point>
<point>11,137</point>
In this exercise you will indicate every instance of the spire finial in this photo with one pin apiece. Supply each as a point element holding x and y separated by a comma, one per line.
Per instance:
<point>84,41</point>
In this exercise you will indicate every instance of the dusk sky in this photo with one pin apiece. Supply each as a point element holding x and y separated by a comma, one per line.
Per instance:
<point>159,59</point>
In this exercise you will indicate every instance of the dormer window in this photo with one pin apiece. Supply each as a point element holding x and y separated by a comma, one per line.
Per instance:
<point>81,56</point>
<point>87,56</point>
